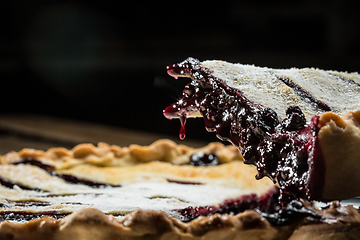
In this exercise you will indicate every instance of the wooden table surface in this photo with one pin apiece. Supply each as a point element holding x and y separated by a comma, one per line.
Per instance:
<point>42,132</point>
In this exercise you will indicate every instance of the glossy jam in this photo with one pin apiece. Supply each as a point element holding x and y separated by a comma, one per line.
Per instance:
<point>281,149</point>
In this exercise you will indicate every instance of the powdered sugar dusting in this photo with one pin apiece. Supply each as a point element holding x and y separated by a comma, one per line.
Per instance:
<point>259,85</point>
<point>340,91</point>
<point>66,197</point>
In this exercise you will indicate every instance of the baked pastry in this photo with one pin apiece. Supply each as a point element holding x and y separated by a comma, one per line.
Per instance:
<point>161,191</point>
<point>299,127</point>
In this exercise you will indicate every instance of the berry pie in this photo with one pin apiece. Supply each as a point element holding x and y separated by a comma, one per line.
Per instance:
<point>171,191</point>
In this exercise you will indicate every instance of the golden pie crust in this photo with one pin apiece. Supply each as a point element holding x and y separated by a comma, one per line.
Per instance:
<point>111,155</point>
<point>339,138</point>
<point>162,160</point>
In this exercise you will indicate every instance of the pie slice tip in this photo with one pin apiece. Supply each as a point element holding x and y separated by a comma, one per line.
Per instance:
<point>280,119</point>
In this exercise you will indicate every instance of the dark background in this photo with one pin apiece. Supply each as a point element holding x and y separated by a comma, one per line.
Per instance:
<point>105,62</point>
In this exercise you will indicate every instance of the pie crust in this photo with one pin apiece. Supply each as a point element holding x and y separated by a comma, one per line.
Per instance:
<point>339,138</point>
<point>91,223</point>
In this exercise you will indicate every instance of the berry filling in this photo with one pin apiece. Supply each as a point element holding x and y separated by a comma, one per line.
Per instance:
<point>285,150</point>
<point>203,159</point>
<point>267,205</point>
<point>20,216</point>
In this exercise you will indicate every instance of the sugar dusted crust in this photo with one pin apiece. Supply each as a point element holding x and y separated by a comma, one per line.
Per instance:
<point>309,88</point>
<point>224,174</point>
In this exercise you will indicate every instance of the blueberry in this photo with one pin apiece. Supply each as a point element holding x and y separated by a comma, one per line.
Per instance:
<point>203,159</point>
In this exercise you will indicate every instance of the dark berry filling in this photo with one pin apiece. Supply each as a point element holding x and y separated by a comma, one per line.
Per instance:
<point>266,205</point>
<point>293,211</point>
<point>20,216</point>
<point>23,216</point>
<point>283,150</point>
<point>203,159</point>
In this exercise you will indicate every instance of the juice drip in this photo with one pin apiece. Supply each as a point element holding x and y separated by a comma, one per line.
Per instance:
<point>182,133</point>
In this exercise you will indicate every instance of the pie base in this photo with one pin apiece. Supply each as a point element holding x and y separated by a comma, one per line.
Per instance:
<point>93,224</point>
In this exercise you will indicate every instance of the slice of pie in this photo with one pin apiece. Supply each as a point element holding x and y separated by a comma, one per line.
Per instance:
<point>161,191</point>
<point>299,127</point>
